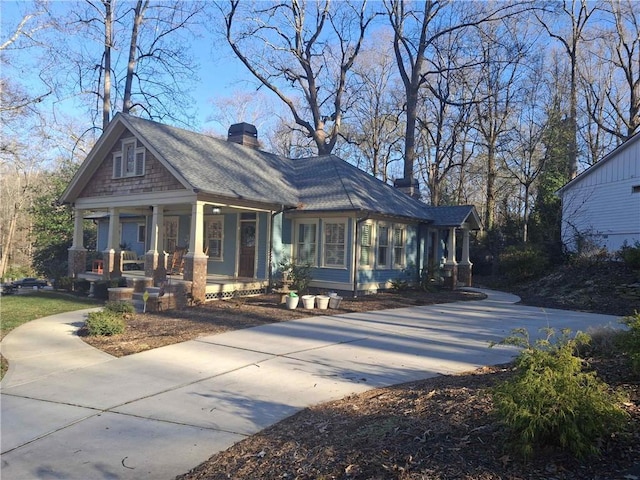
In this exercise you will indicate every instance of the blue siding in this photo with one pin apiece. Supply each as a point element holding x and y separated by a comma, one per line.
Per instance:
<point>228,264</point>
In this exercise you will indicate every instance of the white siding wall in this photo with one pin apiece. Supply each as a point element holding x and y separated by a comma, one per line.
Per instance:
<point>602,201</point>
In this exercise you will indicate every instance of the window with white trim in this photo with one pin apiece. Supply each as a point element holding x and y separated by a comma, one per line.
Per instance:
<point>399,235</point>
<point>334,247</point>
<point>382,254</point>
<point>214,236</point>
<point>366,245</point>
<point>129,162</point>
<point>142,233</point>
<point>306,243</point>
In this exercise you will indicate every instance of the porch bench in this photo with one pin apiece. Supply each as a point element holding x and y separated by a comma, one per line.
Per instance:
<point>130,261</point>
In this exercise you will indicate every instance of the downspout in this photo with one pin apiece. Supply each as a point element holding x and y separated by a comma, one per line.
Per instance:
<point>270,256</point>
<point>355,253</point>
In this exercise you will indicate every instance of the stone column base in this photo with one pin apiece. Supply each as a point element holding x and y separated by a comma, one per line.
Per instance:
<point>112,262</point>
<point>195,270</point>
<point>77,262</point>
<point>464,274</point>
<point>450,273</point>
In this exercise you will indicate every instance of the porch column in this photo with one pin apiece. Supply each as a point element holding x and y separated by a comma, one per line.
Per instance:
<point>154,260</point>
<point>465,266</point>
<point>112,257</point>
<point>450,265</point>
<point>195,261</point>
<point>77,253</point>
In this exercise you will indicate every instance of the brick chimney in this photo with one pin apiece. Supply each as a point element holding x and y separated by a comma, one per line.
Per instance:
<point>244,134</point>
<point>409,186</point>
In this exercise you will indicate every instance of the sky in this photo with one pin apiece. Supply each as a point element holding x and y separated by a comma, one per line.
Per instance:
<point>220,74</point>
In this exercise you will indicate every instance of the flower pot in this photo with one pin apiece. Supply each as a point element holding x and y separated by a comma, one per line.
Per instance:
<point>322,301</point>
<point>334,302</point>
<point>292,302</point>
<point>308,301</point>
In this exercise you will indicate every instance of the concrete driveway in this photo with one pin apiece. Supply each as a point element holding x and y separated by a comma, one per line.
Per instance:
<point>70,411</point>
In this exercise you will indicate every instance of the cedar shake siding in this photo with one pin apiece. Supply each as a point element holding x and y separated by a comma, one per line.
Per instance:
<point>156,178</point>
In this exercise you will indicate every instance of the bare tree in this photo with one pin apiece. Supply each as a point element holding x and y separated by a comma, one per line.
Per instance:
<point>415,32</point>
<point>303,54</point>
<point>577,13</point>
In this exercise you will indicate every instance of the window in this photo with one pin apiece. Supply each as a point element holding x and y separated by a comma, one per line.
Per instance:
<point>214,235</point>
<point>398,246</point>
<point>129,162</point>
<point>383,246</point>
<point>142,233</point>
<point>366,254</point>
<point>334,244</point>
<point>635,189</point>
<point>306,246</point>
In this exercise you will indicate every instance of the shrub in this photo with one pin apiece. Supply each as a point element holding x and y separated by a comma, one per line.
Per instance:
<point>299,274</point>
<point>523,263</point>
<point>551,401</point>
<point>105,323</point>
<point>82,286</point>
<point>630,255</point>
<point>630,340</point>
<point>123,308</point>
<point>63,283</point>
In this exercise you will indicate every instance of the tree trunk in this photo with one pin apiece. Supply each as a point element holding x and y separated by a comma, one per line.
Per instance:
<point>108,42</point>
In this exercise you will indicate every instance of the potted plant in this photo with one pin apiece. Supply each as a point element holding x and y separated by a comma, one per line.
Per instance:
<point>292,300</point>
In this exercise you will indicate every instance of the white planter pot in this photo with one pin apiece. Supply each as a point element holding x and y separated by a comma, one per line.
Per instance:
<point>308,301</point>
<point>322,301</point>
<point>334,302</point>
<point>292,302</point>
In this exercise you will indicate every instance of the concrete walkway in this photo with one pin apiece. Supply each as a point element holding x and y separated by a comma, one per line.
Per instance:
<point>69,411</point>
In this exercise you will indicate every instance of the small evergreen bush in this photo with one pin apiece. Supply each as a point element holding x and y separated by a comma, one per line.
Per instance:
<point>630,255</point>
<point>63,283</point>
<point>630,340</point>
<point>105,323</point>
<point>123,308</point>
<point>523,263</point>
<point>551,401</point>
<point>82,286</point>
<point>299,274</point>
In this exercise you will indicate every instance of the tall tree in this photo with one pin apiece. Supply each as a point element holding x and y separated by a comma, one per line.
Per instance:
<point>302,52</point>
<point>577,13</point>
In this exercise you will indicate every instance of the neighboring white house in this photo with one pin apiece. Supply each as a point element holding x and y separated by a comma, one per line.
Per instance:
<point>603,202</point>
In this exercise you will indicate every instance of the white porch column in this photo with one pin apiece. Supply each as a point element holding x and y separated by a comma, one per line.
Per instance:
<point>451,247</point>
<point>155,261</point>
<point>451,266</point>
<point>465,267</point>
<point>78,230</point>
<point>77,256</point>
<point>195,261</point>
<point>110,256</point>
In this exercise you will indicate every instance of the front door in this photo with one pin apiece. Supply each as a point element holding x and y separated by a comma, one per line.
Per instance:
<point>247,260</point>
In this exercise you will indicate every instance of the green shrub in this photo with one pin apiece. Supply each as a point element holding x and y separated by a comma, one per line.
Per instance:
<point>120,307</point>
<point>523,263</point>
<point>630,255</point>
<point>63,283</point>
<point>630,340</point>
<point>82,286</point>
<point>299,274</point>
<point>105,323</point>
<point>551,401</point>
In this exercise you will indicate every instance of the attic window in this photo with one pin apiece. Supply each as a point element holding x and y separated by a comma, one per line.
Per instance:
<point>635,189</point>
<point>129,162</point>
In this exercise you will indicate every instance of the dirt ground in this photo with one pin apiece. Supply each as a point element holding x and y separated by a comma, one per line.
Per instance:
<point>438,429</point>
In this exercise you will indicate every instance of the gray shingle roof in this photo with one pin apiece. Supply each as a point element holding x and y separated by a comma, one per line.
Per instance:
<point>453,216</point>
<point>217,166</point>
<point>325,183</point>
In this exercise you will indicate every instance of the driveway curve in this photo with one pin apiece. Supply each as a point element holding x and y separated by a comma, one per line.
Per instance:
<point>70,411</point>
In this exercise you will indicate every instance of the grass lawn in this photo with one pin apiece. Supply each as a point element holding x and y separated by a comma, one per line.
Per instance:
<point>24,307</point>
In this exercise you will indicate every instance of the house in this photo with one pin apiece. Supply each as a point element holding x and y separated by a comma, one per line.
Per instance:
<point>236,212</point>
<point>602,204</point>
